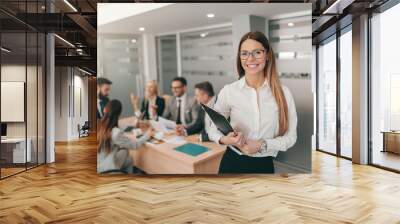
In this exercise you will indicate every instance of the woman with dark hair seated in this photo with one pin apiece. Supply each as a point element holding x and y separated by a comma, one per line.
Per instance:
<point>114,145</point>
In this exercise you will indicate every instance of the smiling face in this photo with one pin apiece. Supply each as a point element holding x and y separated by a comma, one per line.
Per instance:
<point>104,90</point>
<point>178,88</point>
<point>253,57</point>
<point>151,89</point>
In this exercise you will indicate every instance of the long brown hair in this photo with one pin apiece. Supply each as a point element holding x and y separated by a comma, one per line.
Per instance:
<point>271,75</point>
<point>106,124</point>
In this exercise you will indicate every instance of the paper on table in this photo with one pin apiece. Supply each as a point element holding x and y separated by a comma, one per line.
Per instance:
<point>178,140</point>
<point>158,126</point>
<point>159,135</point>
<point>168,123</point>
<point>163,125</point>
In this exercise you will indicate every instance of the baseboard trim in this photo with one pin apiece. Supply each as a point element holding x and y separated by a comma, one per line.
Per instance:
<point>289,168</point>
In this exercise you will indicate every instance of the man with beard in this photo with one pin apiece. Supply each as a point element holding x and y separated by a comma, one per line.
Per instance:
<point>103,90</point>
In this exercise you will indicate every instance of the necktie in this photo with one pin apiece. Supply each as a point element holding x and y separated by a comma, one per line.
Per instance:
<point>178,117</point>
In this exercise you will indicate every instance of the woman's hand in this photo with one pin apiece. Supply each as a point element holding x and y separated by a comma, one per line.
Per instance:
<point>251,147</point>
<point>150,132</point>
<point>143,124</point>
<point>233,138</point>
<point>134,101</point>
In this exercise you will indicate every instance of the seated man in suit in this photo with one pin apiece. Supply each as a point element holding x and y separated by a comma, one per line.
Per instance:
<point>204,93</point>
<point>152,105</point>
<point>182,109</point>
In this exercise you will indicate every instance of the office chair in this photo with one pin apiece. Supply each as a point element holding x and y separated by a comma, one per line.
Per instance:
<point>84,130</point>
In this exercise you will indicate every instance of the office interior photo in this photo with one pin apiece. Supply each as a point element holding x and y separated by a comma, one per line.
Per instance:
<point>203,48</point>
<point>49,69</point>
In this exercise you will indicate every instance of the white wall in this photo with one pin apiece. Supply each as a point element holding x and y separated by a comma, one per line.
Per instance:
<point>61,103</point>
<point>67,115</point>
<point>33,126</point>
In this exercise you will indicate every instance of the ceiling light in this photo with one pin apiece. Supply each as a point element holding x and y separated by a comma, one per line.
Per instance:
<point>5,50</point>
<point>286,55</point>
<point>141,29</point>
<point>133,41</point>
<point>334,7</point>
<point>210,15</point>
<point>203,34</point>
<point>290,24</point>
<point>64,40</point>
<point>79,50</point>
<point>84,71</point>
<point>43,7</point>
<point>70,5</point>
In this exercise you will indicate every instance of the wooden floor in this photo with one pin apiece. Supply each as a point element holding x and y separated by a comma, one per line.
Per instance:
<point>10,171</point>
<point>70,191</point>
<point>387,159</point>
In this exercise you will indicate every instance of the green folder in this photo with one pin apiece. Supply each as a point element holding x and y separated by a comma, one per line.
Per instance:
<point>191,149</point>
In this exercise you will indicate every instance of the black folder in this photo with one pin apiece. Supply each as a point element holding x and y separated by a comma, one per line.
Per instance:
<point>221,122</point>
<point>218,119</point>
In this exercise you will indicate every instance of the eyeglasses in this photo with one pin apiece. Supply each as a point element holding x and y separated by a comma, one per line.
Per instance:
<point>257,54</point>
<point>176,87</point>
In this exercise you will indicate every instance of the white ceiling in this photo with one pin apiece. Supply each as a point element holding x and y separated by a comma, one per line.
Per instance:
<point>183,16</point>
<point>107,11</point>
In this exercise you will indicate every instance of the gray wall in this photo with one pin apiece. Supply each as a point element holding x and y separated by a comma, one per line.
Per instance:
<point>119,60</point>
<point>295,73</point>
<point>167,62</point>
<point>298,158</point>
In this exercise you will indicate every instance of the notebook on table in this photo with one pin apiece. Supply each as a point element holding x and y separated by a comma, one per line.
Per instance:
<point>192,149</point>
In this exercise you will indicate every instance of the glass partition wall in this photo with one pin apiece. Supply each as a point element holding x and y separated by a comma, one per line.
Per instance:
<point>22,88</point>
<point>124,51</point>
<point>346,92</point>
<point>167,61</point>
<point>191,54</point>
<point>385,90</point>
<point>327,96</point>
<point>334,94</point>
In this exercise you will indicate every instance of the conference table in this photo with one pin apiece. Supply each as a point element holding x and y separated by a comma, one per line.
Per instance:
<point>162,158</point>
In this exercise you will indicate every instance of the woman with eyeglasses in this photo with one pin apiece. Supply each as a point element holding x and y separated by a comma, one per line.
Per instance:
<point>261,111</point>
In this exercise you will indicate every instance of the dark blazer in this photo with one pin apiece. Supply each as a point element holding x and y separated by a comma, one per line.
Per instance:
<point>194,114</point>
<point>198,125</point>
<point>144,108</point>
<point>103,104</point>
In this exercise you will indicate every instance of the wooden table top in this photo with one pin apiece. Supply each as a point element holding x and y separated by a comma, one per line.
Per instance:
<point>168,149</point>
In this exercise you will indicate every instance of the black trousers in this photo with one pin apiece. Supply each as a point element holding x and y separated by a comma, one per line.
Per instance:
<point>234,163</point>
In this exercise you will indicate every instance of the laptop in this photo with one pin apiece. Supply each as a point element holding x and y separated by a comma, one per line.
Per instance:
<point>222,124</point>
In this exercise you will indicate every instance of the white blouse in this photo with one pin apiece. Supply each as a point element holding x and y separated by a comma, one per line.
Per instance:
<point>256,120</point>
